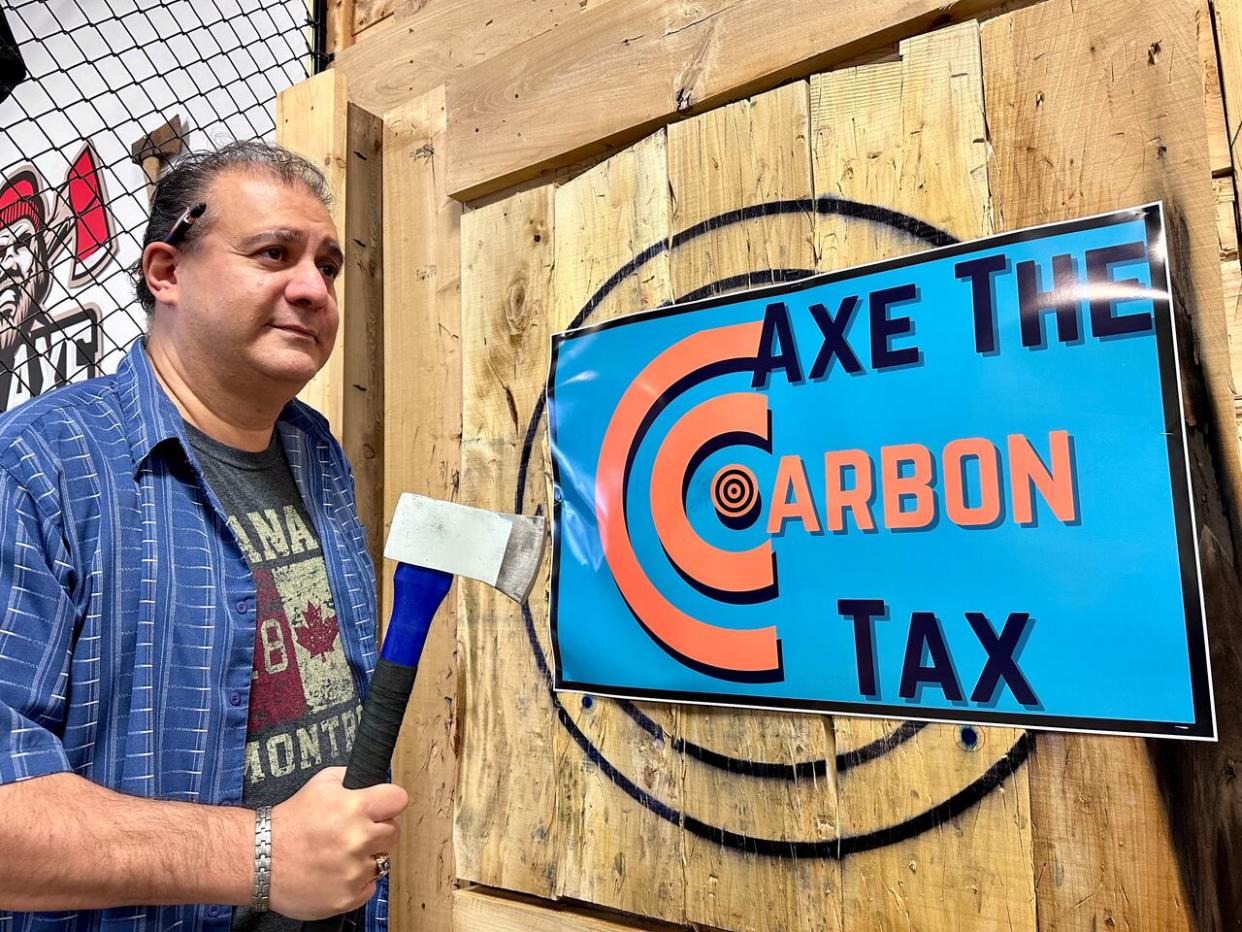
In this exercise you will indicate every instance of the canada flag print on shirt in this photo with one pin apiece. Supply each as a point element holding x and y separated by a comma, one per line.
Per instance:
<point>303,700</point>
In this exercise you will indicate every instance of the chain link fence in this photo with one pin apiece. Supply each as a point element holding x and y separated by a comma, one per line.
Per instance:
<point>95,97</point>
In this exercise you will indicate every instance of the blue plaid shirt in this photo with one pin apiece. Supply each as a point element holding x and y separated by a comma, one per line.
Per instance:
<point>128,610</point>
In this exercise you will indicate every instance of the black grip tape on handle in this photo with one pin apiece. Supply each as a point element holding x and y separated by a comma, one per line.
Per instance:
<point>381,724</point>
<point>391,685</point>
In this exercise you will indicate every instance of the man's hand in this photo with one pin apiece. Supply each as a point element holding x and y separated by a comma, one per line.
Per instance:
<point>325,839</point>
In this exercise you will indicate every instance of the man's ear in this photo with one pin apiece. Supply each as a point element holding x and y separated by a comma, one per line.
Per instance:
<point>159,267</point>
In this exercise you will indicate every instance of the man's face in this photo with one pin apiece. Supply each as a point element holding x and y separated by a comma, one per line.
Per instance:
<point>256,294</point>
<point>23,277</point>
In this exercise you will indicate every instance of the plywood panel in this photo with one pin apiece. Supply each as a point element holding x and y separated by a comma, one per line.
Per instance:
<point>506,831</point>
<point>751,153</point>
<point>312,119</point>
<point>478,911</point>
<point>1095,105</point>
<point>616,852</point>
<point>909,136</point>
<point>422,438</point>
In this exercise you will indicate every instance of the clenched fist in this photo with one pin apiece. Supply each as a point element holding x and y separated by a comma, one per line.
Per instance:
<point>325,840</point>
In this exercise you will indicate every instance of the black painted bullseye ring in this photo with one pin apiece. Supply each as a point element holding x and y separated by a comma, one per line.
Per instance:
<point>820,848</point>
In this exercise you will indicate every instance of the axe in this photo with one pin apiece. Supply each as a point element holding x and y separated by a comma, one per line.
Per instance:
<point>432,541</point>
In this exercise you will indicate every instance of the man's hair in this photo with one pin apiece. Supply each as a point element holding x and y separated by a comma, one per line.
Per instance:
<point>190,176</point>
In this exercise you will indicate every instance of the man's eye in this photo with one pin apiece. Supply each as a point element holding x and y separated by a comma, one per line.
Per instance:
<point>330,270</point>
<point>275,253</point>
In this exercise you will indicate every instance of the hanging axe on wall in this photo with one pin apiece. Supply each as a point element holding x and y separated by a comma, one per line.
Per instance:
<point>432,541</point>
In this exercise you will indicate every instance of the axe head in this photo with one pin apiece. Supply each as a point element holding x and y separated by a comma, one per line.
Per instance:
<point>502,550</point>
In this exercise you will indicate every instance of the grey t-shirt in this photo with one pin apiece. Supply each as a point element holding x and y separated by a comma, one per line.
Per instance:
<point>304,706</point>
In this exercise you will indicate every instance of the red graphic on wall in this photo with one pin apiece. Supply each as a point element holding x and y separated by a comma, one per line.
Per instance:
<point>40,228</point>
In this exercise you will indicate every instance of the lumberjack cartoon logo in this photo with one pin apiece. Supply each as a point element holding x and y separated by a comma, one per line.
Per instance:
<point>44,342</point>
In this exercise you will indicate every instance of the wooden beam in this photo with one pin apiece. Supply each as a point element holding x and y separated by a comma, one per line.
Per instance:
<point>1213,93</point>
<point>1229,45</point>
<point>423,44</point>
<point>362,329</point>
<point>477,910</point>
<point>340,29</point>
<point>312,119</point>
<point>626,68</point>
<point>422,440</point>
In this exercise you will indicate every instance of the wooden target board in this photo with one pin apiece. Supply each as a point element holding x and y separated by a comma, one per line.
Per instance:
<point>764,821</point>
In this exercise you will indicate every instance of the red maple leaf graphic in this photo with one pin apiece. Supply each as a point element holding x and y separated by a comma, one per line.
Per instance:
<point>316,633</point>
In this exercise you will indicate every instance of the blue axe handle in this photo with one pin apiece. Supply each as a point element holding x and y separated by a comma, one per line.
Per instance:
<point>416,595</point>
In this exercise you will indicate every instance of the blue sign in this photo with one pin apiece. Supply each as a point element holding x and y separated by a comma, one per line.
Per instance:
<point>951,486</point>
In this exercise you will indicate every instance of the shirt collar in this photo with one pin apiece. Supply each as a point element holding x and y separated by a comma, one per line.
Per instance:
<point>151,418</point>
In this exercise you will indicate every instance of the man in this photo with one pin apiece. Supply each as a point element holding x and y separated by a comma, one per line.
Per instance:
<point>187,607</point>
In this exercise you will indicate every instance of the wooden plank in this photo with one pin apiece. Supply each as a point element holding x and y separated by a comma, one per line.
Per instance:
<point>312,119</point>
<point>506,830</point>
<point>422,438</point>
<point>626,68</point>
<point>910,136</point>
<point>370,13</point>
<point>340,28</point>
<point>479,911</point>
<point>363,328</point>
<point>1085,117</point>
<point>604,218</point>
<point>1230,270</point>
<point>750,153</point>
<point>427,42</point>
<point>1213,94</point>
<point>1229,45</point>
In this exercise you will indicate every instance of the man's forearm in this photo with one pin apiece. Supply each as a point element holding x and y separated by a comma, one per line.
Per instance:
<point>70,844</point>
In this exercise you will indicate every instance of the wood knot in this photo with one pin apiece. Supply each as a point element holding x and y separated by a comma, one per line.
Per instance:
<point>517,313</point>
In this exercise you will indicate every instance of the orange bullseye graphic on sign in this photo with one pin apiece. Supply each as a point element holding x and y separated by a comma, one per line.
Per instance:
<point>735,495</point>
<point>746,576</point>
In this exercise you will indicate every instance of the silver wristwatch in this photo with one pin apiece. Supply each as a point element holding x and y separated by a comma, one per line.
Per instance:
<point>262,888</point>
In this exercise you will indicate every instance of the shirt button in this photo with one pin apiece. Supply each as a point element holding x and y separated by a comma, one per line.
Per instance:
<point>234,698</point>
<point>241,606</point>
<point>213,912</point>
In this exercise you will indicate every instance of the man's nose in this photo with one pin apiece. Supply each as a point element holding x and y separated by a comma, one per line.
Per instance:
<point>307,286</point>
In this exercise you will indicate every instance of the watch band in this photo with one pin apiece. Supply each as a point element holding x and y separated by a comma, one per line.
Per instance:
<point>262,887</point>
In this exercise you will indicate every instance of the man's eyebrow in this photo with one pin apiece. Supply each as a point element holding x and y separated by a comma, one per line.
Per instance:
<point>268,236</point>
<point>287,236</point>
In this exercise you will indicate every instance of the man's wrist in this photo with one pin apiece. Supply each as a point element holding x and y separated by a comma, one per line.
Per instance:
<point>261,889</point>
